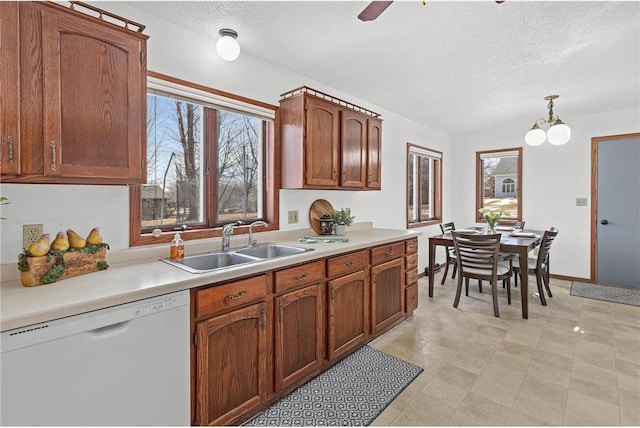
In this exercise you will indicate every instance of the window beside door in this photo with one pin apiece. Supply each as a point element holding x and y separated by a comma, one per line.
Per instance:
<point>499,182</point>
<point>424,186</point>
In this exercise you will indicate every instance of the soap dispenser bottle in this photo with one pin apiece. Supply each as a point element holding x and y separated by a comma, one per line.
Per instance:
<point>176,251</point>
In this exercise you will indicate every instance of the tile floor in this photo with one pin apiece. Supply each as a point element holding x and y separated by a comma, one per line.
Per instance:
<point>573,362</point>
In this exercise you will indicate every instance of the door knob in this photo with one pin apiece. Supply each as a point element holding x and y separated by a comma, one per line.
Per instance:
<point>604,221</point>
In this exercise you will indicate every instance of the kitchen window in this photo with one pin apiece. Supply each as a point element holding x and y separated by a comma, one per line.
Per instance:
<point>424,186</point>
<point>210,158</point>
<point>499,182</point>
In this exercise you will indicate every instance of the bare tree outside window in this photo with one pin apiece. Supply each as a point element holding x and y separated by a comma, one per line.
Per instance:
<point>239,143</point>
<point>176,147</point>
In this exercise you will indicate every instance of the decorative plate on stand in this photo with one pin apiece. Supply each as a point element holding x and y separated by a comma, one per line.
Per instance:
<point>319,207</point>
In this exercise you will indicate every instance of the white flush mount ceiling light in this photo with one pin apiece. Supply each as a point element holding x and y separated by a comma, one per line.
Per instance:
<point>227,45</point>
<point>557,134</point>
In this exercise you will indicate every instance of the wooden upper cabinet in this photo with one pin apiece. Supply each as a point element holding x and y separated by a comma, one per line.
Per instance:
<point>82,99</point>
<point>9,85</point>
<point>353,149</point>
<point>322,143</point>
<point>328,143</point>
<point>374,154</point>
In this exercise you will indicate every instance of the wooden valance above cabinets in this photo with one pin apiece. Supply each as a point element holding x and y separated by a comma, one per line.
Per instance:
<point>328,143</point>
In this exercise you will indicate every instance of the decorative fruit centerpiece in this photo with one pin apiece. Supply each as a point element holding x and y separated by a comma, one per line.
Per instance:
<point>44,262</point>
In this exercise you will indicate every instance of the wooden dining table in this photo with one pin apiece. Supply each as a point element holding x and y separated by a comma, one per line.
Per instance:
<point>519,245</point>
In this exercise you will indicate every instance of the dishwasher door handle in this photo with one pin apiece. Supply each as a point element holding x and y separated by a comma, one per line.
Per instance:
<point>109,330</point>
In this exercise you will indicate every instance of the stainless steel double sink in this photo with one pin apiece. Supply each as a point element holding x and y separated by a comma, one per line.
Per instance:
<point>208,262</point>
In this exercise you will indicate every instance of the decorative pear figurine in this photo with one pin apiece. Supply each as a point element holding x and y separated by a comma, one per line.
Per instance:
<point>39,247</point>
<point>94,237</point>
<point>61,243</point>
<point>75,240</point>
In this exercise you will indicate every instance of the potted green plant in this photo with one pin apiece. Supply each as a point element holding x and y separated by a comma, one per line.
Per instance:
<point>342,219</point>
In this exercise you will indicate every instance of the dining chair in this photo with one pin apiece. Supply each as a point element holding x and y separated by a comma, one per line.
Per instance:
<point>478,257</point>
<point>450,252</point>
<point>518,225</point>
<point>514,226</point>
<point>539,266</point>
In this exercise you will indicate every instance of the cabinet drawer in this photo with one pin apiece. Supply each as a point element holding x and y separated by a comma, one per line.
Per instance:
<point>348,263</point>
<point>387,252</point>
<point>411,246</point>
<point>412,276</point>
<point>230,295</point>
<point>411,298</point>
<point>411,261</point>
<point>297,276</point>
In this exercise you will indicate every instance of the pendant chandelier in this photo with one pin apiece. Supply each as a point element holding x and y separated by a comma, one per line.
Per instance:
<point>557,134</point>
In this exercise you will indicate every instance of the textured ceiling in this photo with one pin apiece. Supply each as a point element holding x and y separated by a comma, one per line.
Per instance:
<point>456,66</point>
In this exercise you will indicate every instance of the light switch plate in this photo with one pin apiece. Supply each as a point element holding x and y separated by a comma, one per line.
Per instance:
<point>293,217</point>
<point>581,202</point>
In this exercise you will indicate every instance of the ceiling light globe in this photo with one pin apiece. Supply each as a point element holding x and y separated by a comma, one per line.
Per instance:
<point>559,133</point>
<point>535,136</point>
<point>227,46</point>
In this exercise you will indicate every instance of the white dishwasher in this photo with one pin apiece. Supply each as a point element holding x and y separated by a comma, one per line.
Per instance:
<point>124,365</point>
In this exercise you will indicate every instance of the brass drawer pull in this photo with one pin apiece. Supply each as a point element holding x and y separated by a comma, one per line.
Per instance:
<point>390,253</point>
<point>264,319</point>
<point>10,150</point>
<point>300,277</point>
<point>54,156</point>
<point>236,297</point>
<point>349,264</point>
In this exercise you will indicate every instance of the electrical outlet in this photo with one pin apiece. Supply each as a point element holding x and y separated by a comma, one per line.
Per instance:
<point>31,233</point>
<point>581,202</point>
<point>293,217</point>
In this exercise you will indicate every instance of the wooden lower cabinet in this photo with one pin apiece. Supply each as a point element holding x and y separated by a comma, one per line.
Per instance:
<point>258,338</point>
<point>231,368</point>
<point>387,294</point>
<point>298,331</point>
<point>412,298</point>
<point>348,313</point>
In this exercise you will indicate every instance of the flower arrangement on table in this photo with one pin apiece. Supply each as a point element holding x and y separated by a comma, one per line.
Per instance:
<point>492,217</point>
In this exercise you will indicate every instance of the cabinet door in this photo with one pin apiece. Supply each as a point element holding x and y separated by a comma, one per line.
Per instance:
<point>353,150</point>
<point>298,334</point>
<point>9,87</point>
<point>231,364</point>
<point>321,143</point>
<point>348,313</point>
<point>387,294</point>
<point>374,153</point>
<point>94,100</point>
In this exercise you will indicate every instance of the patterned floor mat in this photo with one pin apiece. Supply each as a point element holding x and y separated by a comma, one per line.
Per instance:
<point>351,393</point>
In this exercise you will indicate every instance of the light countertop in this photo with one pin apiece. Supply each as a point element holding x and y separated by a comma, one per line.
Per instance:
<point>138,273</point>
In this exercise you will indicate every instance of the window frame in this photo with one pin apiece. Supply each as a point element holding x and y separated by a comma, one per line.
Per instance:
<point>270,177</point>
<point>480,183</point>
<point>436,174</point>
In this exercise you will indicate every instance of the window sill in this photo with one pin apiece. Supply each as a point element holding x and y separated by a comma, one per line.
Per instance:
<point>424,223</point>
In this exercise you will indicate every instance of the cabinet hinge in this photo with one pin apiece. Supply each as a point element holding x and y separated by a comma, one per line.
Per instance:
<point>141,57</point>
<point>195,339</point>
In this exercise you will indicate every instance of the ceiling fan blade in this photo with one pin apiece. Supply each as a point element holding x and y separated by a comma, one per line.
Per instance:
<point>373,10</point>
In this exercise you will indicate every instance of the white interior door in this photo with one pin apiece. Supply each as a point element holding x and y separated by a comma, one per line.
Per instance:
<point>618,212</point>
